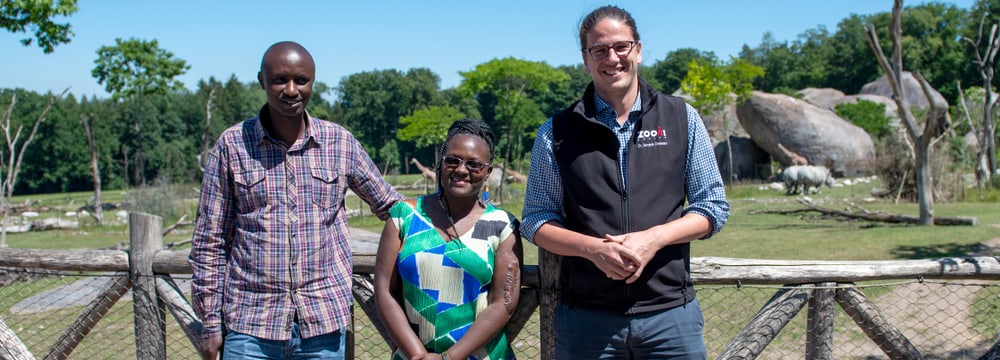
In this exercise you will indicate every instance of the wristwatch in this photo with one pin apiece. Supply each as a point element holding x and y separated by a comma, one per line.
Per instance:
<point>444,355</point>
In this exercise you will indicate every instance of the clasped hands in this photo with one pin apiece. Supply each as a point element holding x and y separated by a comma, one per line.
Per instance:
<point>623,257</point>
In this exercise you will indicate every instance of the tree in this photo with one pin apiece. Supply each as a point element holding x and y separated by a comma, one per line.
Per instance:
<point>711,87</point>
<point>563,93</point>
<point>922,141</point>
<point>372,102</point>
<point>36,16</point>
<point>16,147</point>
<point>821,59</point>
<point>502,86</point>
<point>133,69</point>
<point>95,170</point>
<point>670,71</point>
<point>428,127</point>
<point>986,130</point>
<point>207,138</point>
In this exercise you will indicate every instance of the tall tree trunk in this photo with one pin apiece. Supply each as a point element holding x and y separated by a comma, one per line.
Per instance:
<point>124,150</point>
<point>729,143</point>
<point>984,156</point>
<point>140,161</point>
<point>922,141</point>
<point>985,165</point>
<point>206,135</point>
<point>506,159</point>
<point>991,147</point>
<point>924,181</point>
<point>95,171</point>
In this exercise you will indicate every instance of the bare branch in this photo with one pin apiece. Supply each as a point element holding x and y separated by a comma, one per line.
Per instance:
<point>24,145</point>
<point>934,114</point>
<point>991,49</point>
<point>180,222</point>
<point>965,107</point>
<point>5,122</point>
<point>206,133</point>
<point>897,43</point>
<point>880,56</point>
<point>895,79</point>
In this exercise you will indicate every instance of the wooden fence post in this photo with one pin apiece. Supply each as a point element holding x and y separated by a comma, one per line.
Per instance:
<point>766,325</point>
<point>11,346</point>
<point>145,240</point>
<point>877,327</point>
<point>549,268</point>
<point>819,331</point>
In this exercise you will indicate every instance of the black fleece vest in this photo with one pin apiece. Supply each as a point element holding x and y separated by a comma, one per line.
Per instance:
<point>596,204</point>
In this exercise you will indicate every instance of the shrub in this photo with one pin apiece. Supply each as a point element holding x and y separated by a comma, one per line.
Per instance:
<point>161,199</point>
<point>895,166</point>
<point>868,115</point>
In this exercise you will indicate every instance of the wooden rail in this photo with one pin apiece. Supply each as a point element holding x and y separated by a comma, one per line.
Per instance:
<point>823,285</point>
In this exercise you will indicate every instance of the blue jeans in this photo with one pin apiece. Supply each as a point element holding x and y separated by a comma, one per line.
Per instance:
<point>243,346</point>
<point>667,334</point>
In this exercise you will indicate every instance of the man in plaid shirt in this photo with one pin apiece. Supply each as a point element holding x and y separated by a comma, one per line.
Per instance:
<point>271,255</point>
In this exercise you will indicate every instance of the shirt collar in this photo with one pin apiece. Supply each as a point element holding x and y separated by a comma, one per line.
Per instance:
<point>261,132</point>
<point>602,106</point>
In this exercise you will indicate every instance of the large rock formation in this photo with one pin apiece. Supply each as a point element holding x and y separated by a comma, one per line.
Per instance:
<point>914,96</point>
<point>828,98</point>
<point>912,91</point>
<point>791,129</point>
<point>823,97</point>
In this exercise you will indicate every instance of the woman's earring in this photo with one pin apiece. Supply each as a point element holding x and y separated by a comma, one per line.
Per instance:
<point>486,195</point>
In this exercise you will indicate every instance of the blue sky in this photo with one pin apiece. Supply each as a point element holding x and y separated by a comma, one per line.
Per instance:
<point>221,38</point>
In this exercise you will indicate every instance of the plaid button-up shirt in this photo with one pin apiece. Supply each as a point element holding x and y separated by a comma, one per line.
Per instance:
<point>271,237</point>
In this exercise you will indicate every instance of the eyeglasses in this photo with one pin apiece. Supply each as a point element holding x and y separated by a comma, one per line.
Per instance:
<point>471,165</point>
<point>601,52</point>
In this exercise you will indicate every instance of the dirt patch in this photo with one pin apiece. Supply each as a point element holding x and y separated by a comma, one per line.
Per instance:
<point>935,317</point>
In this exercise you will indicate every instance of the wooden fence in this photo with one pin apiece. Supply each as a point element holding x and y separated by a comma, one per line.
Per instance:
<point>822,285</point>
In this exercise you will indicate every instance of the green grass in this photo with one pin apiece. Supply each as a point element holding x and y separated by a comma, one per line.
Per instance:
<point>752,232</point>
<point>986,306</point>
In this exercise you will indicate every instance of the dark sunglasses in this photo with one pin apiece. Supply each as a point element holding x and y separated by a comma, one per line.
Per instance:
<point>471,165</point>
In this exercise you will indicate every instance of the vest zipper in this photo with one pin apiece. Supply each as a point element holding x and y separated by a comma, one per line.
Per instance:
<point>626,227</point>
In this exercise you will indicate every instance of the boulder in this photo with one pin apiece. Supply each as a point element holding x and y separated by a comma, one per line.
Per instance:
<point>791,129</point>
<point>914,96</point>
<point>912,92</point>
<point>824,97</point>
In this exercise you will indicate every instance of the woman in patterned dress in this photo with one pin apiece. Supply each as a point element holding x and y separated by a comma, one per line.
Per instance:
<point>448,269</point>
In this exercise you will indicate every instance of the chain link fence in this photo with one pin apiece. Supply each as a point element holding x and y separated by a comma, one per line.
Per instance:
<point>943,320</point>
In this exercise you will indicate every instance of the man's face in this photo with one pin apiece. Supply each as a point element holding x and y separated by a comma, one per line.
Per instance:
<point>287,77</point>
<point>614,75</point>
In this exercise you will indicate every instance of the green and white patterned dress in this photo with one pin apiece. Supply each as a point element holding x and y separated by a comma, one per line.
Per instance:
<point>445,283</point>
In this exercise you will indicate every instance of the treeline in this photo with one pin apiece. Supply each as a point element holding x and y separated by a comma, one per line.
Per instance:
<point>398,115</point>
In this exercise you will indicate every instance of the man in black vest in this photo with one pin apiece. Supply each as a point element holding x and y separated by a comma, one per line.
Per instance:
<point>607,189</point>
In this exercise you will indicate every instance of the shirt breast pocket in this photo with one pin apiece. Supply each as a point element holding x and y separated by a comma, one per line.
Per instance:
<point>327,188</point>
<point>251,191</point>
